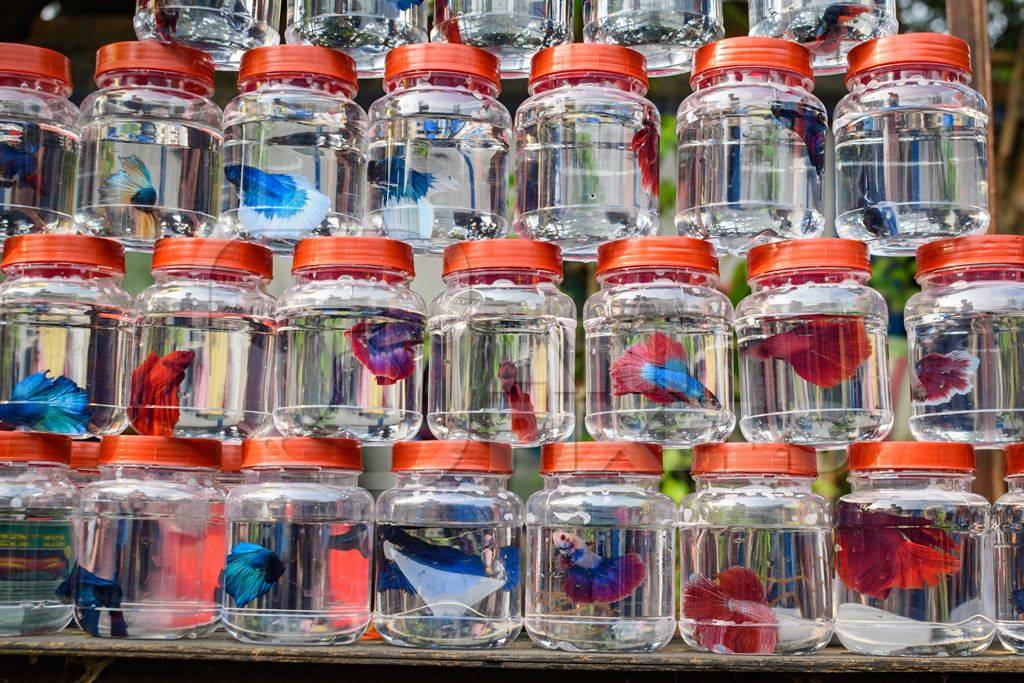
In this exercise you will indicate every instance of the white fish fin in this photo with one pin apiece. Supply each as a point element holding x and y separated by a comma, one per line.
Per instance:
<point>405,219</point>
<point>297,225</point>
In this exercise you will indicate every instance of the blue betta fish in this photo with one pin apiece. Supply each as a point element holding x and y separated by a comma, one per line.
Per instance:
<point>656,369</point>
<point>43,404</point>
<point>403,5</point>
<point>19,162</point>
<point>90,593</point>
<point>809,124</point>
<point>251,572</point>
<point>407,210</point>
<point>277,205</point>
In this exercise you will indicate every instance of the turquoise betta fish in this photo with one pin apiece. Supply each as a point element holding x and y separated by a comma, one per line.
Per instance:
<point>277,205</point>
<point>251,572</point>
<point>40,403</point>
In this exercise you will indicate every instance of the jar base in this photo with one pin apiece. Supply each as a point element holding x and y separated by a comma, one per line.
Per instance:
<point>796,636</point>
<point>737,228</point>
<point>434,632</point>
<point>904,637</point>
<point>914,225</point>
<point>450,225</point>
<point>580,230</point>
<point>16,219</point>
<point>673,428</point>
<point>495,425</point>
<point>34,618</point>
<point>1011,635</point>
<point>597,634</point>
<point>362,423</point>
<point>666,37</point>
<point>223,35</point>
<point>294,627</point>
<point>826,429</point>
<point>149,621</point>
<point>223,425</point>
<point>119,223</point>
<point>514,38</point>
<point>980,428</point>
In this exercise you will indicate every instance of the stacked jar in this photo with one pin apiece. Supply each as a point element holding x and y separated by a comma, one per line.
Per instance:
<point>1008,540</point>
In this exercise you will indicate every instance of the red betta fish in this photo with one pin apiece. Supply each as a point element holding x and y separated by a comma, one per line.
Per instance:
<point>735,597</point>
<point>153,407</point>
<point>590,578</point>
<point>446,23</point>
<point>646,143</point>
<point>386,349</point>
<point>524,420</point>
<point>824,351</point>
<point>937,377</point>
<point>656,369</point>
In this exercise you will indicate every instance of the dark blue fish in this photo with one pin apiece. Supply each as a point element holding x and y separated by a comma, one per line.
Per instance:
<point>832,24</point>
<point>277,204</point>
<point>809,124</point>
<point>879,217</point>
<point>90,593</point>
<point>1018,600</point>
<point>18,161</point>
<point>251,572</point>
<point>356,538</point>
<point>39,403</point>
<point>390,175</point>
<point>405,4</point>
<point>442,128</point>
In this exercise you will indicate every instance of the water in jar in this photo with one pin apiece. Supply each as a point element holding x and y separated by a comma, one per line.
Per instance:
<point>37,179</point>
<point>1008,538</point>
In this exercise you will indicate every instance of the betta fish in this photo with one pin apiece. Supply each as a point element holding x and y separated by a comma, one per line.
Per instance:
<point>446,23</point>
<point>154,403</point>
<point>1018,600</point>
<point>656,369</point>
<point>133,186</point>
<point>90,593</point>
<point>809,124</point>
<point>937,377</point>
<point>832,24</point>
<point>524,419</point>
<point>406,207</point>
<point>277,205</point>
<point>43,404</point>
<point>879,217</point>
<point>645,144</point>
<point>825,351</point>
<point>251,571</point>
<point>356,538</point>
<point>590,578</point>
<point>19,162</point>
<point>387,349</point>
<point>728,613</point>
<point>404,5</point>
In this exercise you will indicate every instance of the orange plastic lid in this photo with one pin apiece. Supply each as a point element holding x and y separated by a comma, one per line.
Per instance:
<point>749,51</point>
<point>1014,460</point>
<point>441,58</point>
<point>657,252</point>
<point>39,62</point>
<point>356,252</point>
<point>909,49</point>
<point>601,456</point>
<point>279,451</point>
<point>754,458</point>
<point>163,451</point>
<point>152,55</point>
<point>565,60</point>
<point>514,254</point>
<point>822,252</point>
<point>249,257</point>
<point>452,456</point>
<point>230,457</point>
<point>85,455</point>
<point>868,456</point>
<point>301,60</point>
<point>983,250</point>
<point>84,250</point>
<point>35,447</point>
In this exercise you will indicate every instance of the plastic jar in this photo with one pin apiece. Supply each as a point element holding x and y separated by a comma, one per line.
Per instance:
<point>751,146</point>
<point>911,145</point>
<point>438,150</point>
<point>587,150</point>
<point>600,543</point>
<point>151,138</point>
<point>38,141</point>
<point>85,462</point>
<point>449,547</point>
<point>37,538</point>
<point>146,536</point>
<point>1008,538</point>
<point>963,332</point>
<point>300,532</point>
<point>913,554</point>
<point>65,329</point>
<point>204,341</point>
<point>294,148</point>
<point>659,344</point>
<point>502,346</point>
<point>756,552</point>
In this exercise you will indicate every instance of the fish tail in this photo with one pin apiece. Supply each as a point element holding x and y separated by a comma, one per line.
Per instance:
<point>703,600</point>
<point>632,373</point>
<point>524,419</point>
<point>119,187</point>
<point>60,405</point>
<point>618,577</point>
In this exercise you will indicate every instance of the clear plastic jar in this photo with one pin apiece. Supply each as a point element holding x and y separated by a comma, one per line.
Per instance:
<point>146,536</point>
<point>812,341</point>
<point>37,537</point>
<point>1008,539</point>
<point>913,553</point>
<point>502,346</point>
<point>151,138</point>
<point>600,547</point>
<point>224,30</point>
<point>751,146</point>
<point>350,339</point>
<point>85,463</point>
<point>449,547</point>
<point>300,533</point>
<point>204,341</point>
<point>39,141</point>
<point>659,344</point>
<point>756,552</point>
<point>294,148</point>
<point>586,150</point>
<point>438,149</point>
<point>66,333</point>
<point>911,145</point>
<point>963,330</point>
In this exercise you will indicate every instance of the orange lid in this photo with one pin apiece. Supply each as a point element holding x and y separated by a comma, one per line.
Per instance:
<point>249,257</point>
<point>754,458</point>
<point>303,451</point>
<point>749,51</point>
<point>441,58</point>
<point>1014,460</point>
<point>162,451</point>
<point>299,60</point>
<point>909,49</point>
<point>869,456</point>
<point>601,456</point>
<point>657,252</point>
<point>85,455</point>
<point>583,58</point>
<point>452,456</point>
<point>808,254</point>
<point>29,60</point>
<point>230,457</point>
<point>983,250</point>
<point>502,254</point>
<point>356,252</point>
<point>35,447</point>
<point>83,250</point>
<point>154,56</point>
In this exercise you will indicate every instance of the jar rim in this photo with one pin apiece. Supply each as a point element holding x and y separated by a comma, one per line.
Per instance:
<point>29,447</point>
<point>909,49</point>
<point>657,252</point>
<point>754,458</point>
<point>39,62</point>
<point>230,457</point>
<point>979,250</point>
<point>942,456</point>
<point>500,254</point>
<point>1014,455</point>
<point>615,457</point>
<point>452,456</point>
<point>808,254</point>
<point>752,51</point>
<point>302,451</point>
<point>274,61</point>
<point>431,58</point>
<point>65,249</point>
<point>207,252</point>
<point>588,58</point>
<point>85,455</point>
<point>166,451</point>
<point>355,252</point>
<point>150,55</point>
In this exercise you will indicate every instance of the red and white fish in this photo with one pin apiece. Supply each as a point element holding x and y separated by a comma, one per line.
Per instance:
<point>524,418</point>
<point>656,369</point>
<point>732,614</point>
<point>825,350</point>
<point>938,377</point>
<point>590,578</point>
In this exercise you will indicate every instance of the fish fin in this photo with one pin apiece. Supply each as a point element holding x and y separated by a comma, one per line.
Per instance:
<point>645,144</point>
<point>704,600</point>
<point>823,351</point>
<point>936,378</point>
<point>631,372</point>
<point>524,419</point>
<point>353,539</point>
<point>55,405</point>
<point>1018,600</point>
<point>511,560</point>
<point>618,577</point>
<point>740,583</point>
<point>300,213</point>
<point>245,573</point>
<point>120,187</point>
<point>406,219</point>
<point>390,577</point>
<point>385,349</point>
<point>154,409</point>
<point>917,566</point>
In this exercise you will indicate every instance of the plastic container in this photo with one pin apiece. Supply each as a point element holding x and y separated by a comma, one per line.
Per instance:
<point>449,547</point>
<point>1008,538</point>
<point>913,553</point>
<point>350,338</point>
<point>146,537</point>
<point>294,148</point>
<point>203,341</point>
<point>502,346</point>
<point>756,552</point>
<point>84,467</point>
<point>300,532</point>
<point>659,344</point>
<point>751,146</point>
<point>66,332</point>
<point>151,140</point>
<point>600,546</point>
<point>438,148</point>
<point>587,150</point>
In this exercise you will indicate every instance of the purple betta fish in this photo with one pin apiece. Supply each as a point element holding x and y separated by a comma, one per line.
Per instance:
<point>590,578</point>
<point>387,348</point>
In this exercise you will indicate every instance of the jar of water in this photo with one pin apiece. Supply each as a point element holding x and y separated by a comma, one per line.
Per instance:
<point>449,546</point>
<point>659,344</point>
<point>204,341</point>
<point>911,145</point>
<point>1008,538</point>
<point>300,538</point>
<point>913,555</point>
<point>502,341</point>
<point>151,139</point>
<point>812,345</point>
<point>294,148</point>
<point>751,146</point>
<point>438,148</point>
<point>756,546</point>
<point>587,150</point>
<point>84,467</point>
<point>66,331</point>
<point>350,337</point>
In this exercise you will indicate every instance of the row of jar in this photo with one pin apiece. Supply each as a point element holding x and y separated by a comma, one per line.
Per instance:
<point>289,157</point>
